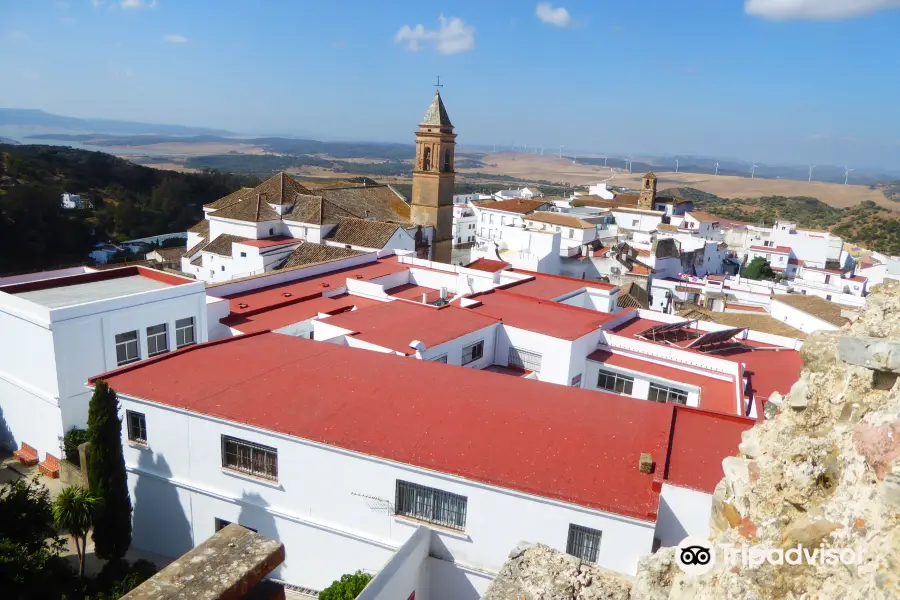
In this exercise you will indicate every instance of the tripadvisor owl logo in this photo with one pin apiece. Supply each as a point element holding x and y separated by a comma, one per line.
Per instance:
<point>695,555</point>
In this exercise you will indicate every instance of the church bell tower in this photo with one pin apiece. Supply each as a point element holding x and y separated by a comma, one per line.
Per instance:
<point>648,191</point>
<point>434,178</point>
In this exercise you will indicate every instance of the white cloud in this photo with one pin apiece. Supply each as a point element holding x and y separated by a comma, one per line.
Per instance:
<point>136,4</point>
<point>96,3</point>
<point>553,16</point>
<point>782,10</point>
<point>174,38</point>
<point>452,37</point>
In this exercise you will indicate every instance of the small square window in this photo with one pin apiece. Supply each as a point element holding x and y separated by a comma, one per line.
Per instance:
<point>127,348</point>
<point>440,359</point>
<point>223,267</point>
<point>243,255</point>
<point>157,340</point>
<point>584,543</point>
<point>137,426</point>
<point>473,352</point>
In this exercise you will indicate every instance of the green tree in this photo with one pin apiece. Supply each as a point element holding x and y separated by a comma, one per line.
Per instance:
<point>347,587</point>
<point>108,482</point>
<point>759,268</point>
<point>30,561</point>
<point>73,511</point>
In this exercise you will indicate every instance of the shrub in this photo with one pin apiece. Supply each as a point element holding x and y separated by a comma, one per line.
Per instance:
<point>347,587</point>
<point>74,438</point>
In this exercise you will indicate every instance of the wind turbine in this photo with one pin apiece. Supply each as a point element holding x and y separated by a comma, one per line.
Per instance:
<point>495,148</point>
<point>676,165</point>
<point>628,162</point>
<point>753,170</point>
<point>811,167</point>
<point>717,168</point>
<point>847,174</point>
<point>560,151</point>
<point>574,158</point>
<point>542,150</point>
<point>605,157</point>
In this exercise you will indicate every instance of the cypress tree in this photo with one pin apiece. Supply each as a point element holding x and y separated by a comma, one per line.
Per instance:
<point>108,482</point>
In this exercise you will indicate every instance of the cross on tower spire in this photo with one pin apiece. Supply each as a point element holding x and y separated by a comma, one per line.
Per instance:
<point>438,84</point>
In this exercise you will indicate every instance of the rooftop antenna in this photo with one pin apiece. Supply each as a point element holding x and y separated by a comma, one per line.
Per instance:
<point>811,167</point>
<point>717,168</point>
<point>676,165</point>
<point>847,174</point>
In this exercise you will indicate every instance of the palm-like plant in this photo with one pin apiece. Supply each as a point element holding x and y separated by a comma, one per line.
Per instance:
<point>73,511</point>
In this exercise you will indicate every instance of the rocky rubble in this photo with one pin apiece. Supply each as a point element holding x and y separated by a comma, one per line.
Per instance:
<point>822,469</point>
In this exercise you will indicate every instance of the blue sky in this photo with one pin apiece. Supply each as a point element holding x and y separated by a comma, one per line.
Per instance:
<point>775,80</point>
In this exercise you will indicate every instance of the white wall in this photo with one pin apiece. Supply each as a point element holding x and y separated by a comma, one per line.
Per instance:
<point>219,226</point>
<point>798,319</point>
<point>333,509</point>
<point>405,573</point>
<point>682,512</point>
<point>641,386</point>
<point>637,221</point>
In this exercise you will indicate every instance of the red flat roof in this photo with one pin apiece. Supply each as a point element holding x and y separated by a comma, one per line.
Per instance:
<point>540,316</point>
<point>488,265</point>
<point>715,394</point>
<point>412,291</point>
<point>104,275</point>
<point>773,249</point>
<point>273,296</point>
<point>574,445</point>
<point>278,240</point>
<point>769,370</point>
<point>700,441</point>
<point>394,325</point>
<point>277,318</point>
<point>549,287</point>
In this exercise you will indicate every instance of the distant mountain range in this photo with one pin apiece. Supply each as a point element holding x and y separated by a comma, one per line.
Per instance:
<point>31,119</point>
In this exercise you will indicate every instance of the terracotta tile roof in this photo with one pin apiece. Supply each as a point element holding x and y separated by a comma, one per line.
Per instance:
<point>626,199</point>
<point>252,208</point>
<point>815,306</point>
<point>633,296</point>
<point>170,254</point>
<point>560,219</point>
<point>756,322</point>
<point>379,202</point>
<point>702,217</point>
<point>639,269</point>
<point>222,244</point>
<point>362,232</point>
<point>201,228</point>
<point>639,211</point>
<point>518,206</point>
<point>228,200</point>
<point>666,227</point>
<point>314,254</point>
<point>197,261</point>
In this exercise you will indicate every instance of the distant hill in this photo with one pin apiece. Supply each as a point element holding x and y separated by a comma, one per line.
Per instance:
<point>4,140</point>
<point>31,118</point>
<point>689,193</point>
<point>891,190</point>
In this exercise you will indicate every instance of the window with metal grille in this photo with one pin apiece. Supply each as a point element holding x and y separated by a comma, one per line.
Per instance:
<point>184,332</point>
<point>137,426</point>
<point>473,352</point>
<point>523,359</point>
<point>441,359</point>
<point>157,339</point>
<point>127,348</point>
<point>615,382</point>
<point>662,393</point>
<point>247,457</point>
<point>431,505</point>
<point>222,524</point>
<point>584,543</point>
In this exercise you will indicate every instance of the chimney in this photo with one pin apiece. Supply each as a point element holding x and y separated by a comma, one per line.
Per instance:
<point>419,347</point>
<point>443,293</point>
<point>646,463</point>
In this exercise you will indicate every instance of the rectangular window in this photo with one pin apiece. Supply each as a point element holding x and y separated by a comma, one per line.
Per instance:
<point>431,505</point>
<point>440,359</point>
<point>184,332</point>
<point>473,352</point>
<point>223,267</point>
<point>583,543</point>
<point>137,426</point>
<point>662,393</point>
<point>571,233</point>
<point>634,223</point>
<point>523,359</point>
<point>157,340</point>
<point>127,348</point>
<point>615,382</point>
<point>250,458</point>
<point>243,255</point>
<point>222,524</point>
